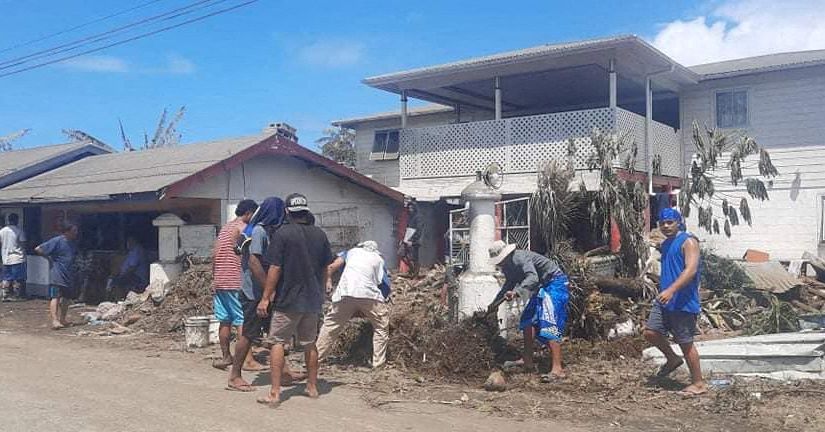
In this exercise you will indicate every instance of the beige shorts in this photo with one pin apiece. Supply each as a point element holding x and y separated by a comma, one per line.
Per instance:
<point>287,324</point>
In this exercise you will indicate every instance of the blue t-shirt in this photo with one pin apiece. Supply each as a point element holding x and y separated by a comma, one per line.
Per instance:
<point>673,264</point>
<point>61,251</point>
<point>258,245</point>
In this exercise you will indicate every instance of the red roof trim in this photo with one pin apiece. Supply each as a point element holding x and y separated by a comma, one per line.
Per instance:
<point>275,145</point>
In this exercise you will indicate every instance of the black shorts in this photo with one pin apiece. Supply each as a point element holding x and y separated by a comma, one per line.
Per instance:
<point>254,327</point>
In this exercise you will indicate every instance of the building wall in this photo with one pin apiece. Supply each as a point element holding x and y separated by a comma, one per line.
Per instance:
<point>267,176</point>
<point>387,172</point>
<point>787,117</point>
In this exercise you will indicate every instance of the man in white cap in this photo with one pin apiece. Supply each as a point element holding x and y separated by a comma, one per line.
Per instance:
<point>541,281</point>
<point>363,289</point>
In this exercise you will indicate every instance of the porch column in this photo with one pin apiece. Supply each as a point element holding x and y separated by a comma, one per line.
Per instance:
<point>613,95</point>
<point>498,98</point>
<point>649,132</point>
<point>403,109</point>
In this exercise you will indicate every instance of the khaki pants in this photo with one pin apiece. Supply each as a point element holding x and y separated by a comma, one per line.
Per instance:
<point>378,313</point>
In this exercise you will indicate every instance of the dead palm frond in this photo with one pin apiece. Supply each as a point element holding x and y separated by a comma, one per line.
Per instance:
<point>553,204</point>
<point>6,140</point>
<point>127,145</point>
<point>76,135</point>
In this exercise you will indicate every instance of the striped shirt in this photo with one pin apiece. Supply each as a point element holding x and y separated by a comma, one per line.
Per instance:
<point>226,266</point>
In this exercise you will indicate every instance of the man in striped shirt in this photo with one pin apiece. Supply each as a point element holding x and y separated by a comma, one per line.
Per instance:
<point>226,283</point>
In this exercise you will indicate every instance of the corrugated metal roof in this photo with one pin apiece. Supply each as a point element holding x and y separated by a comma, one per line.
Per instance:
<point>494,59</point>
<point>17,160</point>
<point>770,276</point>
<point>388,115</point>
<point>764,63</point>
<point>100,177</point>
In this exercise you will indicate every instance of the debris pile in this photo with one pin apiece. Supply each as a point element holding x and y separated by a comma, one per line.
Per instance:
<point>189,295</point>
<point>423,339</point>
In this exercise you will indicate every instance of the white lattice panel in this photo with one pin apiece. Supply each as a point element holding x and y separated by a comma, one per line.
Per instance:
<point>520,144</point>
<point>666,144</point>
<point>631,127</point>
<point>541,138</point>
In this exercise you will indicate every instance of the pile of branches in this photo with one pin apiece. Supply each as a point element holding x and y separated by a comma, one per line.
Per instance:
<point>422,337</point>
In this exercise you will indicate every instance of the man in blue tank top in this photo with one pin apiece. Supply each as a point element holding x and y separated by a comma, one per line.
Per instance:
<point>677,307</point>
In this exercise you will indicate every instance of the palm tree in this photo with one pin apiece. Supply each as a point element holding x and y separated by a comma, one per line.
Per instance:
<point>338,144</point>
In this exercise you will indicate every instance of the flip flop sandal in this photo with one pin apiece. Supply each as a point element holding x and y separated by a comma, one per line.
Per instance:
<point>665,370</point>
<point>243,389</point>
<point>549,378</point>
<point>268,401</point>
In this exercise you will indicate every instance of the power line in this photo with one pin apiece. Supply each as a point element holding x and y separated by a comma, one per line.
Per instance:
<point>77,27</point>
<point>71,46</point>
<point>134,38</point>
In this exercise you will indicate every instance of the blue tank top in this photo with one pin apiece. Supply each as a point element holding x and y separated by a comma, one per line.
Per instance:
<point>673,263</point>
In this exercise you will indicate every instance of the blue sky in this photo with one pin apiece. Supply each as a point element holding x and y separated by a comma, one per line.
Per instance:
<point>302,61</point>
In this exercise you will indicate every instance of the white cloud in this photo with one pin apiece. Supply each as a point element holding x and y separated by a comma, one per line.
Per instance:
<point>743,28</point>
<point>100,63</point>
<point>332,53</point>
<point>175,64</point>
<point>178,65</point>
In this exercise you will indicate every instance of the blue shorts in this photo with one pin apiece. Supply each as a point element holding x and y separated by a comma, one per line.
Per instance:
<point>14,272</point>
<point>58,291</point>
<point>227,307</point>
<point>682,325</point>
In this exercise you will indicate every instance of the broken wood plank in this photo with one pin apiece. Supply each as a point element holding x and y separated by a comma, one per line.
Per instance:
<point>799,305</point>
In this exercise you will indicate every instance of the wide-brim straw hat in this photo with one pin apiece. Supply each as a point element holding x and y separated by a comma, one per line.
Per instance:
<point>499,251</point>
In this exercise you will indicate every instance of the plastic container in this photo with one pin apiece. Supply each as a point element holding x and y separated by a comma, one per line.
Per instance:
<point>196,331</point>
<point>214,328</point>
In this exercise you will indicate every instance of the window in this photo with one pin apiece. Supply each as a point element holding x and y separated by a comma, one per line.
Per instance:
<point>385,145</point>
<point>732,109</point>
<point>822,220</point>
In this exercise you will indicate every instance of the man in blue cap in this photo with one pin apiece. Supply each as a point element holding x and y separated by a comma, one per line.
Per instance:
<point>677,306</point>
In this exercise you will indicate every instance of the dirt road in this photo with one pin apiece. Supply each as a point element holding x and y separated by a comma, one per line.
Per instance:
<point>57,383</point>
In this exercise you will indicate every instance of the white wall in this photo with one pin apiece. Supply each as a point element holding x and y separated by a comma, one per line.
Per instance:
<point>280,176</point>
<point>787,116</point>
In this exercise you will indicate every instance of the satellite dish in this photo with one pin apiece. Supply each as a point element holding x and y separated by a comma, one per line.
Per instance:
<point>493,175</point>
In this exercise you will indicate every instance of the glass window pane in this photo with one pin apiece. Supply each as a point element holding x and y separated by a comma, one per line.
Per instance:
<point>732,109</point>
<point>380,142</point>
<point>392,142</point>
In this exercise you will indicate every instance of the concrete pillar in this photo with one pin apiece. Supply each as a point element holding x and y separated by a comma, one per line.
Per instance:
<point>613,84</point>
<point>478,286</point>
<point>498,98</point>
<point>649,133</point>
<point>403,109</point>
<point>166,270</point>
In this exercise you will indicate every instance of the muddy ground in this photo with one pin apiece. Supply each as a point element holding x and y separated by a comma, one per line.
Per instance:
<point>607,385</point>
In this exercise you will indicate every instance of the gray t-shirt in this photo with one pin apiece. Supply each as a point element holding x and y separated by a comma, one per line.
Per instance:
<point>526,270</point>
<point>62,252</point>
<point>258,246</point>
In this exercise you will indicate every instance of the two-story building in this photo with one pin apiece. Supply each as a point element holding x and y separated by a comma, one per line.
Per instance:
<point>523,107</point>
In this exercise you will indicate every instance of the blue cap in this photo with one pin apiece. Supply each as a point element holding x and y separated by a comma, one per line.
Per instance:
<point>670,213</point>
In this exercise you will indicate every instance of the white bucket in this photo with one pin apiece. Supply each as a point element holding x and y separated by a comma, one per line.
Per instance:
<point>196,331</point>
<point>214,328</point>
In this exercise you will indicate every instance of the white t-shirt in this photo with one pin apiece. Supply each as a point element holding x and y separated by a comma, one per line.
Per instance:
<point>11,250</point>
<point>362,274</point>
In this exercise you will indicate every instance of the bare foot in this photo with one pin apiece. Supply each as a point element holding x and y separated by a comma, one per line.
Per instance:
<point>311,392</point>
<point>222,364</point>
<point>270,400</point>
<point>694,390</point>
<point>57,325</point>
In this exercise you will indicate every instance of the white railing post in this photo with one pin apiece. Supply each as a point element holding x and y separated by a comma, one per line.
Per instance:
<point>403,109</point>
<point>649,133</point>
<point>613,85</point>
<point>498,97</point>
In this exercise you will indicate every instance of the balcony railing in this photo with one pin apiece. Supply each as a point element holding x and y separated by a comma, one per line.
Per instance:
<point>520,144</point>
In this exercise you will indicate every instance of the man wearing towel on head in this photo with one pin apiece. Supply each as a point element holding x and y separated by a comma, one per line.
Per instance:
<point>677,306</point>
